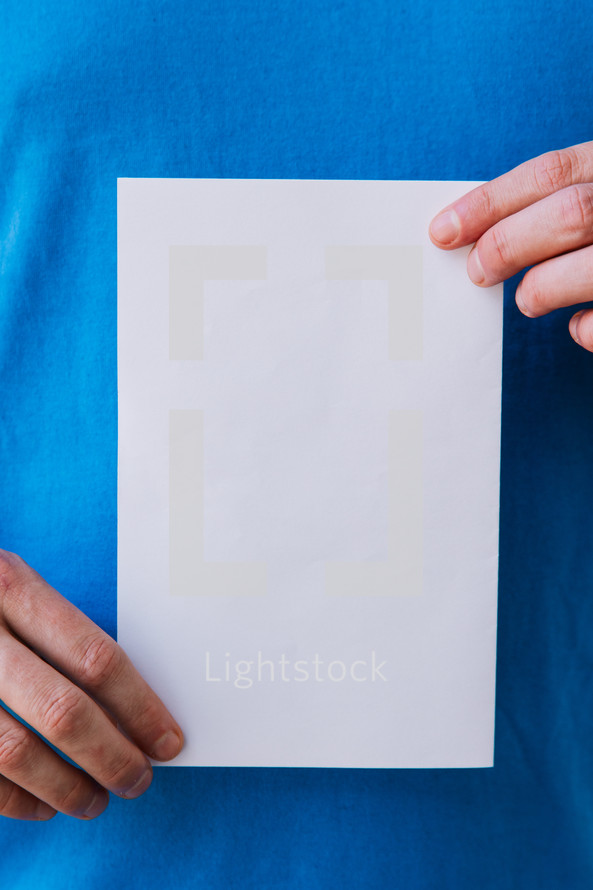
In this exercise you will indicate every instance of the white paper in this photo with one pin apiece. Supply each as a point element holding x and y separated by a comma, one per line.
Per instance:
<point>309,444</point>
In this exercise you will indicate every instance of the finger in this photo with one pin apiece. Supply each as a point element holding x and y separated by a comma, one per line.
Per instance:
<point>16,803</point>
<point>76,646</point>
<point>466,219</point>
<point>561,281</point>
<point>556,224</point>
<point>107,713</point>
<point>31,773</point>
<point>581,328</point>
<point>69,719</point>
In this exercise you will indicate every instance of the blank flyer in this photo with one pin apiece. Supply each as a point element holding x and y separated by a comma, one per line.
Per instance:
<point>308,482</point>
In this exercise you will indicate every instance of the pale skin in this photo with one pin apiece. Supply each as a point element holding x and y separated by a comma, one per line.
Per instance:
<point>76,686</point>
<point>539,214</point>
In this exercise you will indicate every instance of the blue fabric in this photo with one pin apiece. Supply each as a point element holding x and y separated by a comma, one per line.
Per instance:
<point>296,88</point>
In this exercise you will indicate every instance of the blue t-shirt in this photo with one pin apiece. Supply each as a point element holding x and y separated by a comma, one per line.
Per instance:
<point>371,89</point>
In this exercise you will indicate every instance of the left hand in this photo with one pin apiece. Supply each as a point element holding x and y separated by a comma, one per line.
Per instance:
<point>539,214</point>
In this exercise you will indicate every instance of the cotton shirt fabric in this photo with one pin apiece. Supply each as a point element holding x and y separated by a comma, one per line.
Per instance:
<point>355,89</point>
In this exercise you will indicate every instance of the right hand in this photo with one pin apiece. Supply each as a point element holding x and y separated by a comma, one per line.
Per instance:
<point>71,682</point>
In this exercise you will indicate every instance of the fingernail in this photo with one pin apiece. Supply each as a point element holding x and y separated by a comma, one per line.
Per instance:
<point>139,786</point>
<point>43,811</point>
<point>474,267</point>
<point>445,227</point>
<point>573,326</point>
<point>167,747</point>
<point>98,804</point>
<point>521,304</point>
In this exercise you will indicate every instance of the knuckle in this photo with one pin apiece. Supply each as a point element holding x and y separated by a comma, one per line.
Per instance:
<point>149,714</point>
<point>485,204</point>
<point>65,714</point>
<point>9,795</point>
<point>499,251</point>
<point>121,771</point>
<point>100,661</point>
<point>577,209</point>
<point>75,798</point>
<point>17,746</point>
<point>554,170</point>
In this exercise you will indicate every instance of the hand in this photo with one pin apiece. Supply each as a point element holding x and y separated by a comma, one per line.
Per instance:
<point>539,214</point>
<point>70,681</point>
